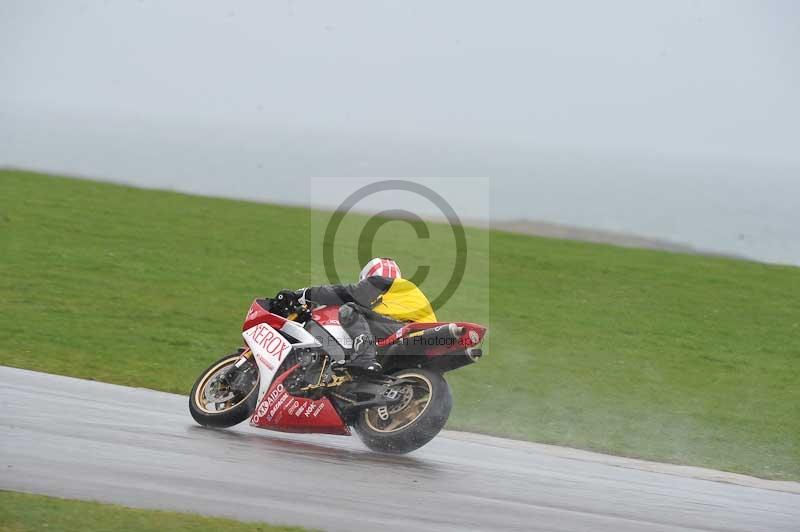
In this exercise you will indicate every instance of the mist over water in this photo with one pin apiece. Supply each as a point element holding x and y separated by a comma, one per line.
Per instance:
<point>749,210</point>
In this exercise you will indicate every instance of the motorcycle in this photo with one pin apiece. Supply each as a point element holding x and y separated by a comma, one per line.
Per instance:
<point>292,376</point>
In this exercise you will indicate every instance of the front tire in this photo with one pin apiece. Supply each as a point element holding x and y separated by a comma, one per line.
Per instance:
<point>413,421</point>
<point>232,411</point>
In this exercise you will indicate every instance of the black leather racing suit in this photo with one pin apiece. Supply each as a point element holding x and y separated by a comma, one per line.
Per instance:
<point>364,325</point>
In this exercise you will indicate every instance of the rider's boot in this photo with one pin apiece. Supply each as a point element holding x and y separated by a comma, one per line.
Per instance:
<point>364,355</point>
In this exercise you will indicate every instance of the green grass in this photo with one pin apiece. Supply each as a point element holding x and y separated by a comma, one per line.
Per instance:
<point>671,357</point>
<point>21,512</point>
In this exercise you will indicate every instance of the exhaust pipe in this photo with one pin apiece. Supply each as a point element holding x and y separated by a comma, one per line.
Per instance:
<point>455,330</point>
<point>474,353</point>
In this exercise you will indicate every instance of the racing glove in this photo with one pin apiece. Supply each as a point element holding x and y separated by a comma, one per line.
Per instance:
<point>289,297</point>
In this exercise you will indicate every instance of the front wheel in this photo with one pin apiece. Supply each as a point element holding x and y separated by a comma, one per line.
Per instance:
<point>217,402</point>
<point>411,422</point>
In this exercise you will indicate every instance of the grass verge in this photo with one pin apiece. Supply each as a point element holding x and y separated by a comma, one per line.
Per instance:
<point>672,357</point>
<point>22,512</point>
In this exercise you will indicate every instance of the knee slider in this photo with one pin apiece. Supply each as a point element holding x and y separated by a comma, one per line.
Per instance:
<point>347,314</point>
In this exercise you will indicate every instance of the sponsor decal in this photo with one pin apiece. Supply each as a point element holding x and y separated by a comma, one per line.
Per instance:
<point>274,410</point>
<point>473,337</point>
<point>270,400</point>
<point>314,409</point>
<point>325,321</point>
<point>266,337</point>
<point>266,362</point>
<point>278,402</point>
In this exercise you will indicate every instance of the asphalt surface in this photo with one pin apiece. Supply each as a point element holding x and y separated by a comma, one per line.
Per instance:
<point>81,439</point>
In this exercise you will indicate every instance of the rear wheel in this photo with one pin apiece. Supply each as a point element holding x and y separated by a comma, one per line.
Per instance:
<point>411,422</point>
<point>216,402</point>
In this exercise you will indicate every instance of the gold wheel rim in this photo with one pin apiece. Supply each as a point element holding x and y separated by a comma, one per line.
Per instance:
<point>199,394</point>
<point>409,414</point>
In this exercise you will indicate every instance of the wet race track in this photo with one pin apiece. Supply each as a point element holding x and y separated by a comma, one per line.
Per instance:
<point>80,439</point>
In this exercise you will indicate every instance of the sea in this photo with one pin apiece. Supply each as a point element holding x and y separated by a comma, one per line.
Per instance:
<point>743,208</point>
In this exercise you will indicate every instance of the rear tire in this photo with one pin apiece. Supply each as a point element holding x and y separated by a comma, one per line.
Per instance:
<point>230,416</point>
<point>420,430</point>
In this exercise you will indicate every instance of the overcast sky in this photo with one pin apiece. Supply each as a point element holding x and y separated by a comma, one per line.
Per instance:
<point>675,119</point>
<point>696,77</point>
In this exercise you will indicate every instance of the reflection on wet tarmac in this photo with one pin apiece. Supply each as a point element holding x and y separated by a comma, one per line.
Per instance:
<point>90,440</point>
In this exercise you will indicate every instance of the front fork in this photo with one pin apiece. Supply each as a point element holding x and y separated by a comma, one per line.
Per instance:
<point>245,356</point>
<point>237,374</point>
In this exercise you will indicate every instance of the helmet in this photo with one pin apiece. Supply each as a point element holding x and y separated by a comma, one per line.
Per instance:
<point>381,267</point>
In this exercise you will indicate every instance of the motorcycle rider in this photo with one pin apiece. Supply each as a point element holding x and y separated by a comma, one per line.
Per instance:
<point>376,307</point>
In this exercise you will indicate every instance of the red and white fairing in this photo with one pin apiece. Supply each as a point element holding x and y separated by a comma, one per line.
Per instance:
<point>277,409</point>
<point>328,317</point>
